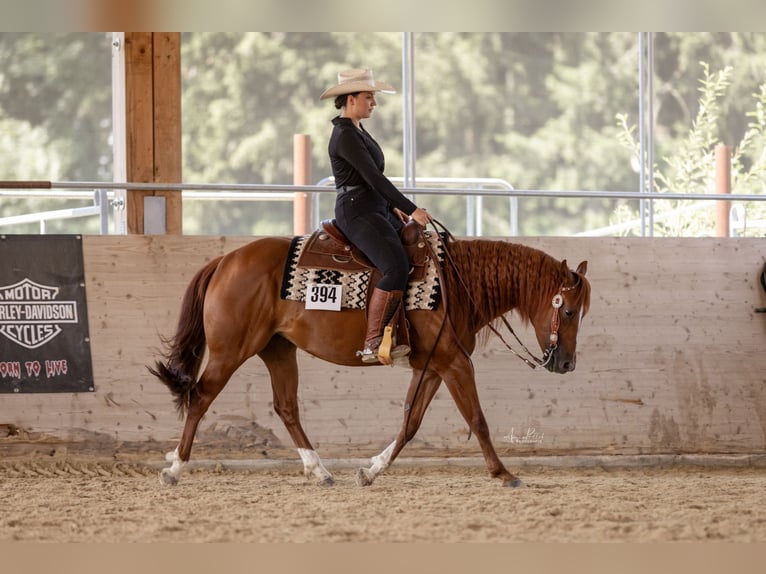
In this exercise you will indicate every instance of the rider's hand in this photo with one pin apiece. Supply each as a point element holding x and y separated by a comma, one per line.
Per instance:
<point>421,216</point>
<point>403,217</point>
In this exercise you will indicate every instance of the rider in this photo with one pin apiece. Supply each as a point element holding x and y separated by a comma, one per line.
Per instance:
<point>369,209</point>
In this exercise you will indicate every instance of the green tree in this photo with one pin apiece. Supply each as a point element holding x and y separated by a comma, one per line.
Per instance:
<point>246,95</point>
<point>690,166</point>
<point>55,116</point>
<point>59,85</point>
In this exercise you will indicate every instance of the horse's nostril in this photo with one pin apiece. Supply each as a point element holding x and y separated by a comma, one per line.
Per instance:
<point>568,366</point>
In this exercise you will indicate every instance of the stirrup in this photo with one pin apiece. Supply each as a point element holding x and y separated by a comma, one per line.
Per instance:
<point>378,350</point>
<point>399,356</point>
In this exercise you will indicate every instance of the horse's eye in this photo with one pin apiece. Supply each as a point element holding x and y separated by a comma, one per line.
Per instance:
<point>568,312</point>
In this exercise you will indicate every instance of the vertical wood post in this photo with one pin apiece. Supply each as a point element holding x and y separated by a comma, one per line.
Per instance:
<point>722,187</point>
<point>301,176</point>
<point>152,87</point>
<point>167,124</point>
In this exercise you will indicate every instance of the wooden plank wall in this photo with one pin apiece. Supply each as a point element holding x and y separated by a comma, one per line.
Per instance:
<point>671,360</point>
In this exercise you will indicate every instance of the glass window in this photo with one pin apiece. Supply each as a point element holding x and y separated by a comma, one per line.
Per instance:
<point>55,120</point>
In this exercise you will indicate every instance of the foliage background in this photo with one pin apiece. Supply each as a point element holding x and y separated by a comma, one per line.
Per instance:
<point>539,110</point>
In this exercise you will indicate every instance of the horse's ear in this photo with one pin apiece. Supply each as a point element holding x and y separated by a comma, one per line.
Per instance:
<point>582,267</point>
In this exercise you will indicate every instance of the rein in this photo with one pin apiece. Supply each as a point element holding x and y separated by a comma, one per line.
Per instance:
<point>533,361</point>
<point>445,320</point>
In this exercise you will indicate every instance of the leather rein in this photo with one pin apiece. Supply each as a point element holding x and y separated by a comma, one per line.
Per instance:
<point>553,341</point>
<point>532,361</point>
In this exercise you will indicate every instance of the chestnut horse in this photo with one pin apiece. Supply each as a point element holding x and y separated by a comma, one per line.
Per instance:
<point>233,308</point>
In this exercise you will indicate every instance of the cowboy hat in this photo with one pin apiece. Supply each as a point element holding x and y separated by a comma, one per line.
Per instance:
<point>356,80</point>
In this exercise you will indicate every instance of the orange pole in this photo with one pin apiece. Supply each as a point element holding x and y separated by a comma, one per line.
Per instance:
<point>722,187</point>
<point>301,176</point>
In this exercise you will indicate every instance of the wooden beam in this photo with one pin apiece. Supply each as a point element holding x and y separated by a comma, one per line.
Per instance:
<point>167,123</point>
<point>139,144</point>
<point>153,123</point>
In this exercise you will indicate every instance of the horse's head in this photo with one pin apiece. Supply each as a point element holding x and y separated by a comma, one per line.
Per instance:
<point>558,320</point>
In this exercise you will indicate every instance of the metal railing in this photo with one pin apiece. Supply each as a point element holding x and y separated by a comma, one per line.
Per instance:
<point>100,207</point>
<point>106,197</point>
<point>473,203</point>
<point>104,194</point>
<point>739,223</point>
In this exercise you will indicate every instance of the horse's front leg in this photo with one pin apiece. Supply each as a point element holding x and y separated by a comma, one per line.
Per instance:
<point>461,383</point>
<point>419,396</point>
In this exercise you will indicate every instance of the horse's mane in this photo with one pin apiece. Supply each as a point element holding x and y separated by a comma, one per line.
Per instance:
<point>485,279</point>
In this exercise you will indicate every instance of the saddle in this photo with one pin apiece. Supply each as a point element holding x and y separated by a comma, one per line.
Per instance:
<point>329,248</point>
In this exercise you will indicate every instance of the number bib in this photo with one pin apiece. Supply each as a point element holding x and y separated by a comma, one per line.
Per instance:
<point>321,296</point>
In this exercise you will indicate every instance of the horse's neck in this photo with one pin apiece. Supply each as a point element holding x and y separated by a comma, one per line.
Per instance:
<point>503,277</point>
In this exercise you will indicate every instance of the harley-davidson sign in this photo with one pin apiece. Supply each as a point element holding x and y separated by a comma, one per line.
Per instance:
<point>30,315</point>
<point>44,342</point>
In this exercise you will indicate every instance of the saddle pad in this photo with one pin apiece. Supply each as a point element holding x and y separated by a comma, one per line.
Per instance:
<point>423,294</point>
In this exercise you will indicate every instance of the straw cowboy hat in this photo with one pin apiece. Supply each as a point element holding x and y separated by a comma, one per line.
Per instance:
<point>356,80</point>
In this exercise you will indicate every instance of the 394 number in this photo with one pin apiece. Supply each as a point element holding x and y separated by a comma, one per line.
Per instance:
<point>320,296</point>
<point>323,294</point>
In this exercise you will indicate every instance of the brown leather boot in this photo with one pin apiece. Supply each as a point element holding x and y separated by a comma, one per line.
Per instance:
<point>381,309</point>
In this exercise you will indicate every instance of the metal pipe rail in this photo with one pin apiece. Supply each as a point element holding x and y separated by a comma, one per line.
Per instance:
<point>275,188</point>
<point>260,192</point>
<point>100,207</point>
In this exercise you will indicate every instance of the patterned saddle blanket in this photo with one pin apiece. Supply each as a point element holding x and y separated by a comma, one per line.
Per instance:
<point>326,257</point>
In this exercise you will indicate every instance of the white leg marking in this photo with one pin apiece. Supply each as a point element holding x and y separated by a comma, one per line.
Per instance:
<point>366,476</point>
<point>312,464</point>
<point>170,476</point>
<point>381,462</point>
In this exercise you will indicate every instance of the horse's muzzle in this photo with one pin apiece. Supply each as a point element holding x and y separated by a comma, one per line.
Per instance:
<point>559,364</point>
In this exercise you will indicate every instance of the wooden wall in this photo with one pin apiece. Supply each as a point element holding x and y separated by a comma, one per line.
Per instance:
<point>671,360</point>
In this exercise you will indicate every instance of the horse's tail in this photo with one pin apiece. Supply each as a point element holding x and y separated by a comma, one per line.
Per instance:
<point>185,350</point>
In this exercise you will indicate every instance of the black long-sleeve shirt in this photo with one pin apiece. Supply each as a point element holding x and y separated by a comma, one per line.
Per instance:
<point>357,159</point>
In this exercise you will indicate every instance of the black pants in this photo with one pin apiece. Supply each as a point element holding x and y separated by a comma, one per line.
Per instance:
<point>368,222</point>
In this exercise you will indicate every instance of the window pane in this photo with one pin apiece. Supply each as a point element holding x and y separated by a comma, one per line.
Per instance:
<point>537,110</point>
<point>55,119</point>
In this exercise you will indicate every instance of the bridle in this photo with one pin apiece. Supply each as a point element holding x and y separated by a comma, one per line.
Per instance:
<point>553,340</point>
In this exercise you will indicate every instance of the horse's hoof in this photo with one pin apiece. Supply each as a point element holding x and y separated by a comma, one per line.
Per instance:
<point>364,477</point>
<point>167,479</point>
<point>515,482</point>
<point>327,481</point>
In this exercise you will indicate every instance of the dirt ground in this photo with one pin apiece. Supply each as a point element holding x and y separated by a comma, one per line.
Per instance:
<point>75,500</point>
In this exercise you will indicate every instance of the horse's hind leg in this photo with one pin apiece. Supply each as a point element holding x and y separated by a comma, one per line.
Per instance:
<point>419,396</point>
<point>210,384</point>
<point>279,357</point>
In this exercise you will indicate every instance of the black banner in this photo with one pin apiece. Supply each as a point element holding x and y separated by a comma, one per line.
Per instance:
<point>44,338</point>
